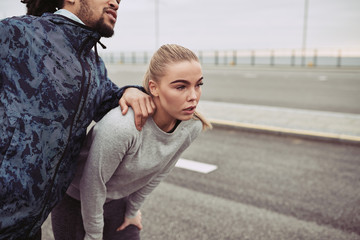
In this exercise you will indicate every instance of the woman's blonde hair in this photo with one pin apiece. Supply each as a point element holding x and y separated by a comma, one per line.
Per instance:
<point>164,56</point>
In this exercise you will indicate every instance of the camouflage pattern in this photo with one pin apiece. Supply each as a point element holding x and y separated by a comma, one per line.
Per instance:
<point>52,85</point>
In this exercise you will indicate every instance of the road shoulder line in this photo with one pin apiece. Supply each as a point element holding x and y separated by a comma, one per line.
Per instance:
<point>289,131</point>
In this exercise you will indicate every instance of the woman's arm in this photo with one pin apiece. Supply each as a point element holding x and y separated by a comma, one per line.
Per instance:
<point>136,199</point>
<point>110,142</point>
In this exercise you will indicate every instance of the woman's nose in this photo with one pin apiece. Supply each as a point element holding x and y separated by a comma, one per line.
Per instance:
<point>192,95</point>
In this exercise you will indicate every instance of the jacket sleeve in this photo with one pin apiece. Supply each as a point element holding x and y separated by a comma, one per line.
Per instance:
<point>111,140</point>
<point>111,98</point>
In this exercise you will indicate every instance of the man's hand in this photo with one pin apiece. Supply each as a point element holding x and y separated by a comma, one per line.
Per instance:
<point>141,103</point>
<point>134,221</point>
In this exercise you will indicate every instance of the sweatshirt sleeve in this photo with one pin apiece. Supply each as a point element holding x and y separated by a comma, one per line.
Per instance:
<point>136,199</point>
<point>112,137</point>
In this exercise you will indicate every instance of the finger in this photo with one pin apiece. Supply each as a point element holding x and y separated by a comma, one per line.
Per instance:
<point>147,108</point>
<point>153,105</point>
<point>150,106</point>
<point>144,115</point>
<point>143,111</point>
<point>124,107</point>
<point>123,226</point>
<point>140,226</point>
<point>138,116</point>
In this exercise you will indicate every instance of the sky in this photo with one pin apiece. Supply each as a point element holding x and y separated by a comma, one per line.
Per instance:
<point>229,24</point>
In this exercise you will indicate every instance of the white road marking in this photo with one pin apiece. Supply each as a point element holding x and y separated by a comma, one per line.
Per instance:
<point>323,78</point>
<point>250,75</point>
<point>195,166</point>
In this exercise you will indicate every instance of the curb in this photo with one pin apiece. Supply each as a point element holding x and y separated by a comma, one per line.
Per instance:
<point>288,131</point>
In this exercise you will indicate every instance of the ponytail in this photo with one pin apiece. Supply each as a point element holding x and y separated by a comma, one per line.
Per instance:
<point>206,123</point>
<point>39,7</point>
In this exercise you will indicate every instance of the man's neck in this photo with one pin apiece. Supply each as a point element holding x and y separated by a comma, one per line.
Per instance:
<point>69,14</point>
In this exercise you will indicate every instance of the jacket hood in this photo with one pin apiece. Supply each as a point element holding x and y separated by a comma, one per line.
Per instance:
<point>82,37</point>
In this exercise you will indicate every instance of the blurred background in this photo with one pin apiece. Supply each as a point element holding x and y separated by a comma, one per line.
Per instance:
<point>295,32</point>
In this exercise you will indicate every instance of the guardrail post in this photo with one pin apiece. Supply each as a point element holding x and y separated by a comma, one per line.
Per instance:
<point>303,58</point>
<point>122,58</point>
<point>216,58</point>
<point>201,57</point>
<point>293,58</point>
<point>111,58</point>
<point>252,57</point>
<point>145,57</point>
<point>272,60</point>
<point>339,59</point>
<point>315,58</point>
<point>234,61</point>
<point>133,58</point>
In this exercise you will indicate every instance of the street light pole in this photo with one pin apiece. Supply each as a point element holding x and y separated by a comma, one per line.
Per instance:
<point>156,24</point>
<point>306,9</point>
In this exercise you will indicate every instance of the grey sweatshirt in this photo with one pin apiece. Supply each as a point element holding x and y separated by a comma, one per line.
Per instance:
<point>117,160</point>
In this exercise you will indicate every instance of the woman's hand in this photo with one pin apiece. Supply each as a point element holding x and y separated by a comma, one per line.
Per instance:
<point>141,103</point>
<point>134,221</point>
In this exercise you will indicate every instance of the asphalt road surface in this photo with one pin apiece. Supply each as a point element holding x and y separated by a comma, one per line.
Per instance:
<point>265,187</point>
<point>323,89</point>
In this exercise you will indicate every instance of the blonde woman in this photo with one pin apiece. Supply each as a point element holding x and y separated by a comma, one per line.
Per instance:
<point>120,166</point>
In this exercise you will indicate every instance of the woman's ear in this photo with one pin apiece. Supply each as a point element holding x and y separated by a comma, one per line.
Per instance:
<point>153,87</point>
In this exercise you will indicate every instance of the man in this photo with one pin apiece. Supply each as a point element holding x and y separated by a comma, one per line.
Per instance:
<point>52,85</point>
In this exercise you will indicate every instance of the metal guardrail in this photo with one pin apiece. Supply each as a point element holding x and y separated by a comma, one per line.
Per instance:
<point>310,58</point>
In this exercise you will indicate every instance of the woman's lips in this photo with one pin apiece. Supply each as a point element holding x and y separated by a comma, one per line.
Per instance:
<point>190,110</point>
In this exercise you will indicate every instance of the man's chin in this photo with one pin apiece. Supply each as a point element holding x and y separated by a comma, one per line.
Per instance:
<point>104,29</point>
<point>107,34</point>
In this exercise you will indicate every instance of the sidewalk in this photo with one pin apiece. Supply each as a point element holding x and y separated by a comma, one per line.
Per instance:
<point>306,123</point>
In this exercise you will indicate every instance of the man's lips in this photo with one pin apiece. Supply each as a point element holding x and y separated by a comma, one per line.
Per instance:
<point>112,13</point>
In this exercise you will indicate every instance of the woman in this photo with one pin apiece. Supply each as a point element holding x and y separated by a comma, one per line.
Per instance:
<point>120,166</point>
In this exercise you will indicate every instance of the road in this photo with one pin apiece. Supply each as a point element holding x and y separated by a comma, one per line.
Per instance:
<point>314,89</point>
<point>279,177</point>
<point>265,186</point>
<point>334,90</point>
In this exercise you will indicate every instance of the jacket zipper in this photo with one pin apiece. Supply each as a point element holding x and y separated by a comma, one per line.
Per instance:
<point>70,133</point>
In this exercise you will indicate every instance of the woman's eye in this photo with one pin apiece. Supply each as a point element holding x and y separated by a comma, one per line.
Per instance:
<point>180,87</point>
<point>200,84</point>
